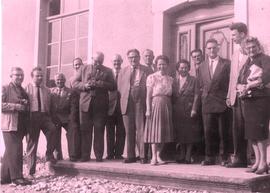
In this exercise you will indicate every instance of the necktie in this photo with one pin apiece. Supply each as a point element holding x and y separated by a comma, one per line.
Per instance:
<point>39,99</point>
<point>132,76</point>
<point>211,68</point>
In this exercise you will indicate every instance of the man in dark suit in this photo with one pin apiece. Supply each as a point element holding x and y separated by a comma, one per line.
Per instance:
<point>213,84</point>
<point>15,105</point>
<point>61,111</point>
<point>197,58</point>
<point>132,88</point>
<point>115,127</point>
<point>239,58</point>
<point>93,82</point>
<point>40,119</point>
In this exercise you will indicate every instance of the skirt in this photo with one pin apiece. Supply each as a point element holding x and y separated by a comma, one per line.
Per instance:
<point>256,117</point>
<point>159,128</point>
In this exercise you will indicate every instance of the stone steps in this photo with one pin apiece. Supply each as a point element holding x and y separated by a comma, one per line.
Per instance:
<point>192,176</point>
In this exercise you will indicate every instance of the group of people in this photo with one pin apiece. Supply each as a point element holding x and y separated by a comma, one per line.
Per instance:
<point>143,106</point>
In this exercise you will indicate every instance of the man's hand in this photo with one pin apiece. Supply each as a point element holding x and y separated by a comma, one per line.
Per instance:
<point>90,84</point>
<point>228,103</point>
<point>20,107</point>
<point>148,113</point>
<point>193,114</point>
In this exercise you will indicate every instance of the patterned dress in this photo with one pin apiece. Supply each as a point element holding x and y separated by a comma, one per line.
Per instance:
<point>159,128</point>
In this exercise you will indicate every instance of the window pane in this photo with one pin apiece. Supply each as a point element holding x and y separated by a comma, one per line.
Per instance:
<point>54,7</point>
<point>83,4</point>
<point>51,72</point>
<point>68,71</point>
<point>82,48</point>
<point>68,52</point>
<point>53,53</point>
<point>54,28</point>
<point>70,6</point>
<point>83,25</point>
<point>68,28</point>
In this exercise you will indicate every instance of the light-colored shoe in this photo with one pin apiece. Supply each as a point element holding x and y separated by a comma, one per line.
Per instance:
<point>160,161</point>
<point>153,162</point>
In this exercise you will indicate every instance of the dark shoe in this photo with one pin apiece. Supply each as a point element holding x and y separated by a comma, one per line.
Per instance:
<point>5,181</point>
<point>119,157</point>
<point>207,163</point>
<point>52,160</point>
<point>73,159</point>
<point>187,161</point>
<point>262,170</point>
<point>99,160</point>
<point>251,170</point>
<point>224,163</point>
<point>143,161</point>
<point>181,161</point>
<point>84,159</point>
<point>129,160</point>
<point>21,181</point>
<point>109,157</point>
<point>236,165</point>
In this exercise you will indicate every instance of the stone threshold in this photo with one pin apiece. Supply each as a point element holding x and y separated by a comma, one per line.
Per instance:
<point>187,176</point>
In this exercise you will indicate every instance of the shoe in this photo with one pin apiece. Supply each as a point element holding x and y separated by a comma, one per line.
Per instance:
<point>129,160</point>
<point>187,161</point>
<point>99,160</point>
<point>181,161</point>
<point>118,157</point>
<point>21,181</point>
<point>143,161</point>
<point>84,159</point>
<point>5,181</point>
<point>110,157</point>
<point>224,163</point>
<point>160,161</point>
<point>31,177</point>
<point>262,170</point>
<point>52,160</point>
<point>153,162</point>
<point>251,170</point>
<point>236,165</point>
<point>73,159</point>
<point>207,163</point>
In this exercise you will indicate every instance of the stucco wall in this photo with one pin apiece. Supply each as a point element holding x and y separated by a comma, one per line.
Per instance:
<point>120,25</point>
<point>258,21</point>
<point>18,36</point>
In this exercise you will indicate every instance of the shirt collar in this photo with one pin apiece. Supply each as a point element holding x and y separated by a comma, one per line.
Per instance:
<point>214,59</point>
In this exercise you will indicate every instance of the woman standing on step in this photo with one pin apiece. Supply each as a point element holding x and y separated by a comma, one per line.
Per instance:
<point>159,128</point>
<point>252,88</point>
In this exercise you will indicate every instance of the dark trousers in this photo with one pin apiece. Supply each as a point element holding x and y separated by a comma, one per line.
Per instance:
<point>134,121</point>
<point>95,118</point>
<point>12,162</point>
<point>216,135</point>
<point>238,129</point>
<point>73,141</point>
<point>115,135</point>
<point>39,121</point>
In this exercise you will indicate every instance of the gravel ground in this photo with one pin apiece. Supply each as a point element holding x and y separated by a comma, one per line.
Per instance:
<point>46,182</point>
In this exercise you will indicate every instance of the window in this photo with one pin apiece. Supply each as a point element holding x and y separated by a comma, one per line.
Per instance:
<point>67,35</point>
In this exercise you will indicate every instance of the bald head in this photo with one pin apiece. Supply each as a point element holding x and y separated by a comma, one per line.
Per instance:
<point>98,58</point>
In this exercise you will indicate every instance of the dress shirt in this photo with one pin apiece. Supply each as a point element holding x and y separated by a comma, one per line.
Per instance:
<point>182,81</point>
<point>34,101</point>
<point>214,63</point>
<point>136,76</point>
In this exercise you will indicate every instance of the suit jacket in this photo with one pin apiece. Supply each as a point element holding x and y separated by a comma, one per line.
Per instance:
<point>104,83</point>
<point>124,86</point>
<point>214,91</point>
<point>61,104</point>
<point>46,96</point>
<point>236,66</point>
<point>11,118</point>
<point>114,100</point>
<point>187,94</point>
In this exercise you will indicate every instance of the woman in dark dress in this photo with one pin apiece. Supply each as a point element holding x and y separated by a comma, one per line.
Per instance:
<point>252,81</point>
<point>186,123</point>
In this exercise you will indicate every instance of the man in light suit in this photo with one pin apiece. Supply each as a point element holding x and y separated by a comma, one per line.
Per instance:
<point>132,88</point>
<point>40,119</point>
<point>239,58</point>
<point>62,97</point>
<point>213,83</point>
<point>93,82</point>
<point>115,127</point>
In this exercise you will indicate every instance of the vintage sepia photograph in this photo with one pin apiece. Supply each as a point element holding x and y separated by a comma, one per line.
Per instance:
<point>135,96</point>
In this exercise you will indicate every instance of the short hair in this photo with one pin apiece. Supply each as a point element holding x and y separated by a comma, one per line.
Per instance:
<point>15,68</point>
<point>162,57</point>
<point>78,58</point>
<point>59,74</point>
<point>35,69</point>
<point>251,39</point>
<point>182,61</point>
<point>196,50</point>
<point>148,50</point>
<point>240,27</point>
<point>211,40</point>
<point>133,50</point>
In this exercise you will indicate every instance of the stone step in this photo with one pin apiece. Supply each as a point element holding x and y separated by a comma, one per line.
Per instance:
<point>188,176</point>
